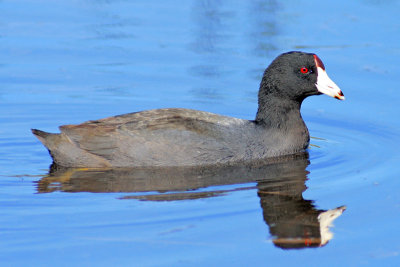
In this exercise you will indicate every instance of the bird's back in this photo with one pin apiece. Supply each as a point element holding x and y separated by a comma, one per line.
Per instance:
<point>161,137</point>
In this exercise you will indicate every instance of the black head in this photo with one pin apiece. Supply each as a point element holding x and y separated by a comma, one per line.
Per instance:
<point>293,76</point>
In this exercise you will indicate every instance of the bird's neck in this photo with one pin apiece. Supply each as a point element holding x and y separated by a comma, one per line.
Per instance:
<point>283,118</point>
<point>275,113</point>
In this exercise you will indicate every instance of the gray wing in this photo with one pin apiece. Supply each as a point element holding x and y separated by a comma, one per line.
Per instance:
<point>160,137</point>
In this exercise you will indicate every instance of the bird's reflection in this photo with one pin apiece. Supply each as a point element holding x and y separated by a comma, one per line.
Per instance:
<point>293,221</point>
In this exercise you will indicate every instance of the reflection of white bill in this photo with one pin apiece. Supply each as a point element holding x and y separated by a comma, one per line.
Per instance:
<point>302,233</point>
<point>325,222</point>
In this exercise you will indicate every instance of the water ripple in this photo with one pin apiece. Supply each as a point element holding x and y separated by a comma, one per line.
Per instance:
<point>344,148</point>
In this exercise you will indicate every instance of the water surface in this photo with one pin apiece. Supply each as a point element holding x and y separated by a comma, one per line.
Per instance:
<point>67,62</point>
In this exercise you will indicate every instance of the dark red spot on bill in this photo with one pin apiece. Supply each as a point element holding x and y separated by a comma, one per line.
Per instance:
<point>318,62</point>
<point>340,96</point>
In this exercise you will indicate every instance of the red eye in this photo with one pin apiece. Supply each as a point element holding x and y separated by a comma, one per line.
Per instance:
<point>304,70</point>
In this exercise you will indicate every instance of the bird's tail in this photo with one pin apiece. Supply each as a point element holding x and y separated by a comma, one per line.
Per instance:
<point>43,136</point>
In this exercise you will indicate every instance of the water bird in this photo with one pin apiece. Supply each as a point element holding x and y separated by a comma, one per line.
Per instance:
<point>186,137</point>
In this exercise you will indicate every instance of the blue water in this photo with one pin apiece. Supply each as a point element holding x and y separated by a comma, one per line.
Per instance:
<point>65,62</point>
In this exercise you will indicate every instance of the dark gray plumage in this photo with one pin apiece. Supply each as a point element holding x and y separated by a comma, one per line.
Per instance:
<point>184,137</point>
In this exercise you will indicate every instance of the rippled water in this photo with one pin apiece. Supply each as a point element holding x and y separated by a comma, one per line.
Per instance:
<point>64,62</point>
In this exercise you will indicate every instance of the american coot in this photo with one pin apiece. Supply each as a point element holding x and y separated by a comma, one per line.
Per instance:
<point>184,137</point>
